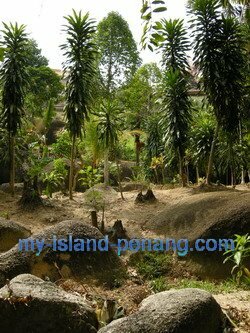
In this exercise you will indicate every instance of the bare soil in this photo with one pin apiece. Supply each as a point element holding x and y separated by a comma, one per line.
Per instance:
<point>177,212</point>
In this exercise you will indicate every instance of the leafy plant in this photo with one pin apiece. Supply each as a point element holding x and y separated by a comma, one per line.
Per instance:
<point>151,264</point>
<point>219,54</point>
<point>159,284</point>
<point>79,70</point>
<point>56,178</point>
<point>239,255</point>
<point>149,10</point>
<point>109,123</point>
<point>97,198</point>
<point>90,176</point>
<point>14,80</point>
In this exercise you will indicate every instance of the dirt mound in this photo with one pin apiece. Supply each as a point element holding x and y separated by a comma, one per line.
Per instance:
<point>207,215</point>
<point>100,265</point>
<point>10,233</point>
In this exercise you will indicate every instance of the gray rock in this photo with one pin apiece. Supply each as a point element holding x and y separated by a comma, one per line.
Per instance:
<point>5,187</point>
<point>184,311</point>
<point>104,266</point>
<point>10,233</point>
<point>29,304</point>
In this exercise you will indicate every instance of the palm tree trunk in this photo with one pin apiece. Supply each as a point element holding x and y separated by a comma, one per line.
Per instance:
<point>71,172</point>
<point>242,166</point>
<point>12,164</point>
<point>181,169</point>
<point>232,177</point>
<point>211,157</point>
<point>197,174</point>
<point>106,167</point>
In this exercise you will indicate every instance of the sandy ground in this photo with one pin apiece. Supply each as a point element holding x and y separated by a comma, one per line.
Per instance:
<point>138,221</point>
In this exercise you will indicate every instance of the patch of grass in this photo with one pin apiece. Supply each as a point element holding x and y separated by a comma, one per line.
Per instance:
<point>226,286</point>
<point>159,284</point>
<point>151,265</point>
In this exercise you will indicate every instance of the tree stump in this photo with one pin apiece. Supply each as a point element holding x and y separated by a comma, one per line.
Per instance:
<point>145,198</point>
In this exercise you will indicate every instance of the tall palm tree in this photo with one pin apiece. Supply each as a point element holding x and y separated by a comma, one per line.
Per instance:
<point>79,70</point>
<point>14,78</point>
<point>108,127</point>
<point>176,116</point>
<point>219,55</point>
<point>176,104</point>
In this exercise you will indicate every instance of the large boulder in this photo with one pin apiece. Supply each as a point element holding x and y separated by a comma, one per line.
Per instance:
<point>184,311</point>
<point>207,215</point>
<point>29,304</point>
<point>10,233</point>
<point>105,265</point>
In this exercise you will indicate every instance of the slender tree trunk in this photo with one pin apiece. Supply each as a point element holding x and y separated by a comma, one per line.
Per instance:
<point>137,149</point>
<point>232,177</point>
<point>71,172</point>
<point>197,174</point>
<point>211,157</point>
<point>163,175</point>
<point>12,164</point>
<point>242,166</point>
<point>106,167</point>
<point>94,219</point>
<point>102,222</point>
<point>119,179</point>
<point>181,169</point>
<point>156,176</point>
<point>187,174</point>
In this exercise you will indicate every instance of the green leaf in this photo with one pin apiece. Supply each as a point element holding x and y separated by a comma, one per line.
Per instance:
<point>237,257</point>
<point>150,48</point>
<point>158,2</point>
<point>159,9</point>
<point>1,53</point>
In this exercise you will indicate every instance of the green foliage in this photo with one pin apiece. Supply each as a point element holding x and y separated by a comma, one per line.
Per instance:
<point>54,179</point>
<point>45,85</point>
<point>239,255</point>
<point>90,176</point>
<point>159,284</point>
<point>13,76</point>
<point>213,287</point>
<point>151,264</point>
<point>119,57</point>
<point>93,148</point>
<point>1,53</point>
<point>232,154</point>
<point>176,107</point>
<point>62,146</point>
<point>219,55</point>
<point>154,143</point>
<point>79,69</point>
<point>139,97</point>
<point>174,45</point>
<point>201,135</point>
<point>109,121</point>
<point>35,57</point>
<point>149,10</point>
<point>49,113</point>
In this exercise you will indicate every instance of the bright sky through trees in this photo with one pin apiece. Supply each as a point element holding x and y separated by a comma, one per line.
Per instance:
<point>44,19</point>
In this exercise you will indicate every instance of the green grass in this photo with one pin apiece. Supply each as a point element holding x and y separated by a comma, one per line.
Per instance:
<point>227,286</point>
<point>151,265</point>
